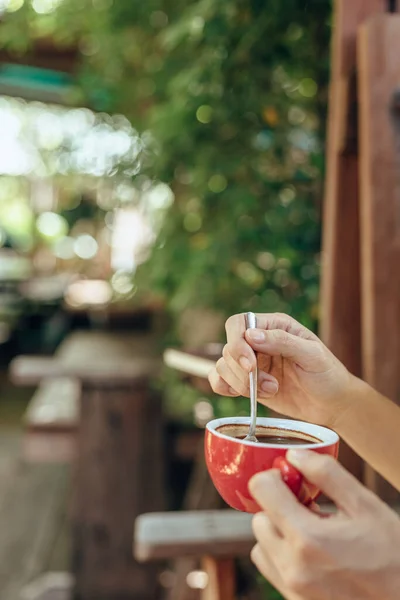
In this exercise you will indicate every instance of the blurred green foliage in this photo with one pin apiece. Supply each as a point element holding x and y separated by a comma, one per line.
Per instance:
<point>232,94</point>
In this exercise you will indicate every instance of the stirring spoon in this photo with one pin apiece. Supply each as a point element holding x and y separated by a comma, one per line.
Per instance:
<point>251,323</point>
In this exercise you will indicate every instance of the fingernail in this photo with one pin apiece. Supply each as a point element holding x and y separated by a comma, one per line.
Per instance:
<point>257,335</point>
<point>297,457</point>
<point>245,363</point>
<point>269,387</point>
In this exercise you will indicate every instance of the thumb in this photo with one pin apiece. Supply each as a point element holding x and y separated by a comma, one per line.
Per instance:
<point>331,478</point>
<point>308,354</point>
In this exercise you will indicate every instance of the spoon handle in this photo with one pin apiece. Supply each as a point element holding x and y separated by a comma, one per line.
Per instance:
<point>251,323</point>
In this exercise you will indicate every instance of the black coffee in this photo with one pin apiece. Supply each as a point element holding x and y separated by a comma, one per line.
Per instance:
<point>269,435</point>
<point>280,440</point>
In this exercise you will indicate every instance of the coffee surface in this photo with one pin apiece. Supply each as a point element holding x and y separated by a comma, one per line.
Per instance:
<point>269,435</point>
<point>280,440</point>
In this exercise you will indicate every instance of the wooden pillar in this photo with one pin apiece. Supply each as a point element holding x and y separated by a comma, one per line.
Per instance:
<point>119,476</point>
<point>221,578</point>
<point>379,76</point>
<point>340,295</point>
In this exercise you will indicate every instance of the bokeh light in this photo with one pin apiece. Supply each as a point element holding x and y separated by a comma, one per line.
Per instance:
<point>10,5</point>
<point>217,183</point>
<point>204,114</point>
<point>48,139</point>
<point>197,580</point>
<point>122,283</point>
<point>88,293</point>
<point>64,248</point>
<point>308,87</point>
<point>85,247</point>
<point>43,7</point>
<point>51,225</point>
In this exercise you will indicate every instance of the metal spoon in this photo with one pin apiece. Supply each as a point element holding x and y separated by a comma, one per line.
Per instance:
<point>251,323</point>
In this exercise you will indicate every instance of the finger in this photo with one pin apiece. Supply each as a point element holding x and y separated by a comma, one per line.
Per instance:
<point>235,382</point>
<point>268,385</point>
<point>284,322</point>
<point>308,354</point>
<point>238,347</point>
<point>236,327</point>
<point>237,343</point>
<point>266,567</point>
<point>332,479</point>
<point>266,533</point>
<point>219,386</point>
<point>279,503</point>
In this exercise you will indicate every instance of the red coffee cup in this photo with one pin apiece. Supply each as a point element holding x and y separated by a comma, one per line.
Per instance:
<point>232,461</point>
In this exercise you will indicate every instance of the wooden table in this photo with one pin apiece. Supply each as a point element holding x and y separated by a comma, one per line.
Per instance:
<point>119,465</point>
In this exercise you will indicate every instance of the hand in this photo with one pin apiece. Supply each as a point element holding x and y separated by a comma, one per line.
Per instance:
<point>352,555</point>
<point>298,375</point>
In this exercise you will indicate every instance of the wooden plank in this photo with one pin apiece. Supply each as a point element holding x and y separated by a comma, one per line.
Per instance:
<point>30,370</point>
<point>340,284</point>
<point>51,422</point>
<point>379,75</point>
<point>216,533</point>
<point>188,363</point>
<point>54,406</point>
<point>193,533</point>
<point>92,356</point>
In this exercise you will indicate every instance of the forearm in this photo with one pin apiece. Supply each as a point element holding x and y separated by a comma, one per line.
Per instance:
<point>371,426</point>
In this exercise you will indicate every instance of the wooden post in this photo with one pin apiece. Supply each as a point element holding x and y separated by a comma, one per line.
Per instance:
<point>340,295</point>
<point>119,476</point>
<point>379,76</point>
<point>221,578</point>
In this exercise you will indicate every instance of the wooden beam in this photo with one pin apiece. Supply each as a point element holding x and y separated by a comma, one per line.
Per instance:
<point>379,75</point>
<point>93,357</point>
<point>31,370</point>
<point>46,55</point>
<point>340,293</point>
<point>215,533</point>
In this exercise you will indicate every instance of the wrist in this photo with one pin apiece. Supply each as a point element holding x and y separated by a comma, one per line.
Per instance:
<point>350,404</point>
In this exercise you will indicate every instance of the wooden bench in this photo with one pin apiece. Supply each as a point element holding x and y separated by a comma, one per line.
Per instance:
<point>119,454</point>
<point>216,537</point>
<point>51,422</point>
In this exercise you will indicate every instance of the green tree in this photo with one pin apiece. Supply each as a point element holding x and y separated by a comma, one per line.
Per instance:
<point>233,93</point>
